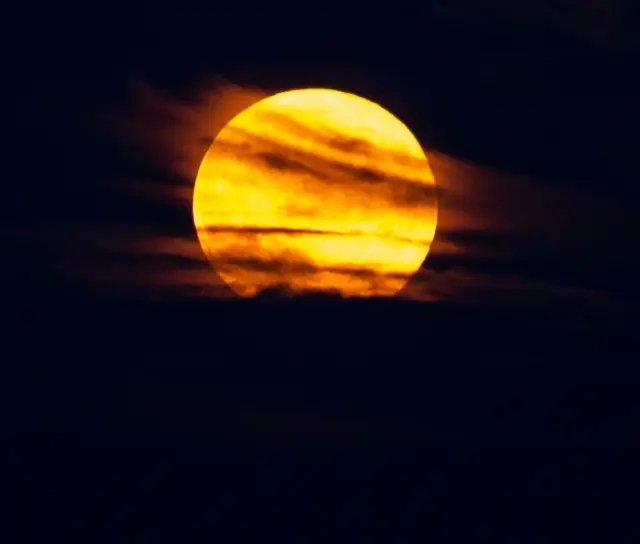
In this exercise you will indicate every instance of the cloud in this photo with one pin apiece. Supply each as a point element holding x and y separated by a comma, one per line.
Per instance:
<point>312,161</point>
<point>166,136</point>
<point>500,236</point>
<point>253,231</point>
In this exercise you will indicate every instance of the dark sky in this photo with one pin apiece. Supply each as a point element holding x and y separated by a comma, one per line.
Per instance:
<point>138,395</point>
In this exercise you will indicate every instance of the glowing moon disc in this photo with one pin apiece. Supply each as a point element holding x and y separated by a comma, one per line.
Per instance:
<point>315,190</point>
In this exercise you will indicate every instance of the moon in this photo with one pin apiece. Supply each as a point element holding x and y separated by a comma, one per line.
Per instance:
<point>315,190</point>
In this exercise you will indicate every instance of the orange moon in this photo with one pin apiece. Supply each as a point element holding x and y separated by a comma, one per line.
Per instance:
<point>315,190</point>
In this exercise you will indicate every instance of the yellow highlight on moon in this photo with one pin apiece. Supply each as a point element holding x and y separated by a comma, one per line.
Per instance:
<point>315,190</point>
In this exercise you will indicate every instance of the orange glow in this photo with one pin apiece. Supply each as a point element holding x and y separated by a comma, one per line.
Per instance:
<point>315,190</point>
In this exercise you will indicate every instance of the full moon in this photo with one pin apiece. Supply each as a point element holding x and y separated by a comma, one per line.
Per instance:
<point>315,190</point>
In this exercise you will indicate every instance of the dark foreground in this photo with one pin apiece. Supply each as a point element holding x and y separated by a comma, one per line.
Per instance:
<point>370,420</point>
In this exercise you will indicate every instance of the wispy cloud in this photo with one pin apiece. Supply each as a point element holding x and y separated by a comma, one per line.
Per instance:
<point>493,227</point>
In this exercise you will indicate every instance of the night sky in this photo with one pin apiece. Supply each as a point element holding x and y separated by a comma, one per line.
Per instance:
<point>496,398</point>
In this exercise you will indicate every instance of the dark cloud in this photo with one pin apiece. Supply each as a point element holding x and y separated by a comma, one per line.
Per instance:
<point>487,243</point>
<point>280,161</point>
<point>160,133</point>
<point>499,236</point>
<point>337,171</point>
<point>251,147</point>
<point>254,231</point>
<point>299,265</point>
<point>331,139</point>
<point>350,145</point>
<point>369,175</point>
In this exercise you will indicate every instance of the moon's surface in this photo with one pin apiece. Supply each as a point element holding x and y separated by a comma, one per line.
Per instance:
<point>315,190</point>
